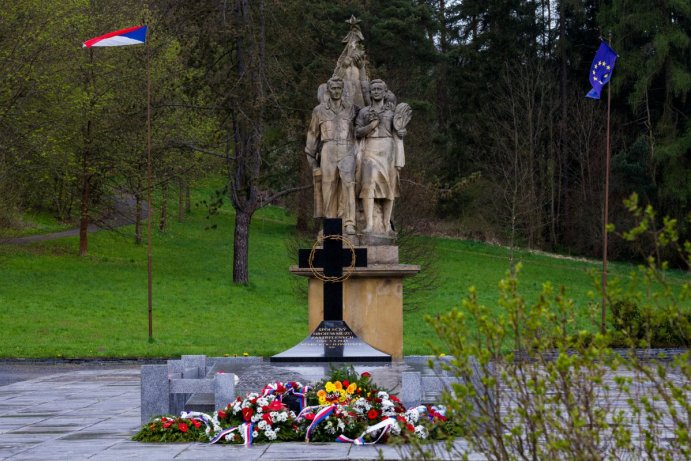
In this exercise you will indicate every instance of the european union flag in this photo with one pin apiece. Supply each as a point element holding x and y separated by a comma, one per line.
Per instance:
<point>601,70</point>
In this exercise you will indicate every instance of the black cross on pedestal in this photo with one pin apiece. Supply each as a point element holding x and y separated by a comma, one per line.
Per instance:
<point>332,340</point>
<point>333,258</point>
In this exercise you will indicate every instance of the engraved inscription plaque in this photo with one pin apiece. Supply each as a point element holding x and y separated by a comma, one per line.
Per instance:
<point>333,340</point>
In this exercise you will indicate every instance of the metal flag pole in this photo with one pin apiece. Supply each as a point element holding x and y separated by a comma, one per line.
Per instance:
<point>605,219</point>
<point>148,187</point>
<point>124,37</point>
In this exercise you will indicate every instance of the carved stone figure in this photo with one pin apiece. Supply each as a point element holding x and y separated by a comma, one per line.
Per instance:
<point>351,66</point>
<point>357,179</point>
<point>330,150</point>
<point>381,126</point>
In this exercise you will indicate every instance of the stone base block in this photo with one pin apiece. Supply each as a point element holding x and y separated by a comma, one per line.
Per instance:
<point>372,304</point>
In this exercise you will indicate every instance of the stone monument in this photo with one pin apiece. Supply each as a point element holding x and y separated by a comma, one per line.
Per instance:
<point>332,340</point>
<point>355,149</point>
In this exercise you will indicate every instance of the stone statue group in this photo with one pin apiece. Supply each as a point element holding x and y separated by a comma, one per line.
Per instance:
<point>355,146</point>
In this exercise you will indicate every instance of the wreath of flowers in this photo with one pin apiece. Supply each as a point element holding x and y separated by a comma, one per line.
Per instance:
<point>347,407</point>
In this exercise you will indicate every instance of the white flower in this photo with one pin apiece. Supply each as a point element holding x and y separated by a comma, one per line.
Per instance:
<point>262,424</point>
<point>271,435</point>
<point>395,429</point>
<point>255,434</point>
<point>341,425</point>
<point>229,437</point>
<point>383,395</point>
<point>388,411</point>
<point>411,416</point>
<point>255,418</point>
<point>262,402</point>
<point>330,428</point>
<point>441,409</point>
<point>246,403</point>
<point>283,417</point>
<point>421,432</point>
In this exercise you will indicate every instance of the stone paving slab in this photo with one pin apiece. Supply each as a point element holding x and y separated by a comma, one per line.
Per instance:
<point>92,414</point>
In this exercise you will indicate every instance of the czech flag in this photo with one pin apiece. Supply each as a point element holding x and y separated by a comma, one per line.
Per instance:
<point>131,36</point>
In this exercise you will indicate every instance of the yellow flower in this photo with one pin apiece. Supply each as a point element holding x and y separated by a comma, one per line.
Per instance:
<point>322,401</point>
<point>338,385</point>
<point>352,388</point>
<point>330,387</point>
<point>321,393</point>
<point>343,397</point>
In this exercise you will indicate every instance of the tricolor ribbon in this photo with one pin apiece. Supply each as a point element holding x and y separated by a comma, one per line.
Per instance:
<point>318,418</point>
<point>224,433</point>
<point>269,389</point>
<point>272,388</point>
<point>384,425</point>
<point>244,429</point>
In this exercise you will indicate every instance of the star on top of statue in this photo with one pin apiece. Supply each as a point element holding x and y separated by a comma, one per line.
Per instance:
<point>353,21</point>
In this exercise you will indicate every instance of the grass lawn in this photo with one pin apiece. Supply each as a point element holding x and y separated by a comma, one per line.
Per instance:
<point>56,304</point>
<point>35,223</point>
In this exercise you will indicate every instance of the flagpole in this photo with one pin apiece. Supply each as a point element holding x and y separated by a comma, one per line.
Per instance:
<point>605,220</point>
<point>148,187</point>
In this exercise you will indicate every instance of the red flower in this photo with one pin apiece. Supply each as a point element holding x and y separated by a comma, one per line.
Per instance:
<point>372,414</point>
<point>275,406</point>
<point>182,427</point>
<point>400,419</point>
<point>365,374</point>
<point>247,414</point>
<point>309,417</point>
<point>267,417</point>
<point>280,389</point>
<point>345,383</point>
<point>196,423</point>
<point>410,427</point>
<point>393,398</point>
<point>167,423</point>
<point>265,408</point>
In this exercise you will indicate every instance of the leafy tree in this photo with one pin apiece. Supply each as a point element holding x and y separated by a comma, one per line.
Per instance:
<point>653,75</point>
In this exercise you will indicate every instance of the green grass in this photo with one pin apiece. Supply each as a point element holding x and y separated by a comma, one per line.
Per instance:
<point>56,304</point>
<point>35,223</point>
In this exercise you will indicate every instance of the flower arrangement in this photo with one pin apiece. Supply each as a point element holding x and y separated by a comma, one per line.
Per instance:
<point>346,407</point>
<point>268,418</point>
<point>173,429</point>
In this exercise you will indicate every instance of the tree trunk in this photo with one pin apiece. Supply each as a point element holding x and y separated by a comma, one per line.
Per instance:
<point>181,200</point>
<point>84,209</point>
<point>163,222</point>
<point>304,200</point>
<point>138,219</point>
<point>241,247</point>
<point>244,166</point>
<point>188,198</point>
<point>86,176</point>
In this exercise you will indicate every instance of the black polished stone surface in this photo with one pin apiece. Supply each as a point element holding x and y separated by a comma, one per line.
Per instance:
<point>332,341</point>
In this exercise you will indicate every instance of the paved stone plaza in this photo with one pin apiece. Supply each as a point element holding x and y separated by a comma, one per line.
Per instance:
<point>91,410</point>
<point>93,413</point>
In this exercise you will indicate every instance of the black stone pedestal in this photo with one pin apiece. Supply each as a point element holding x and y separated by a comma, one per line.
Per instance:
<point>332,341</point>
